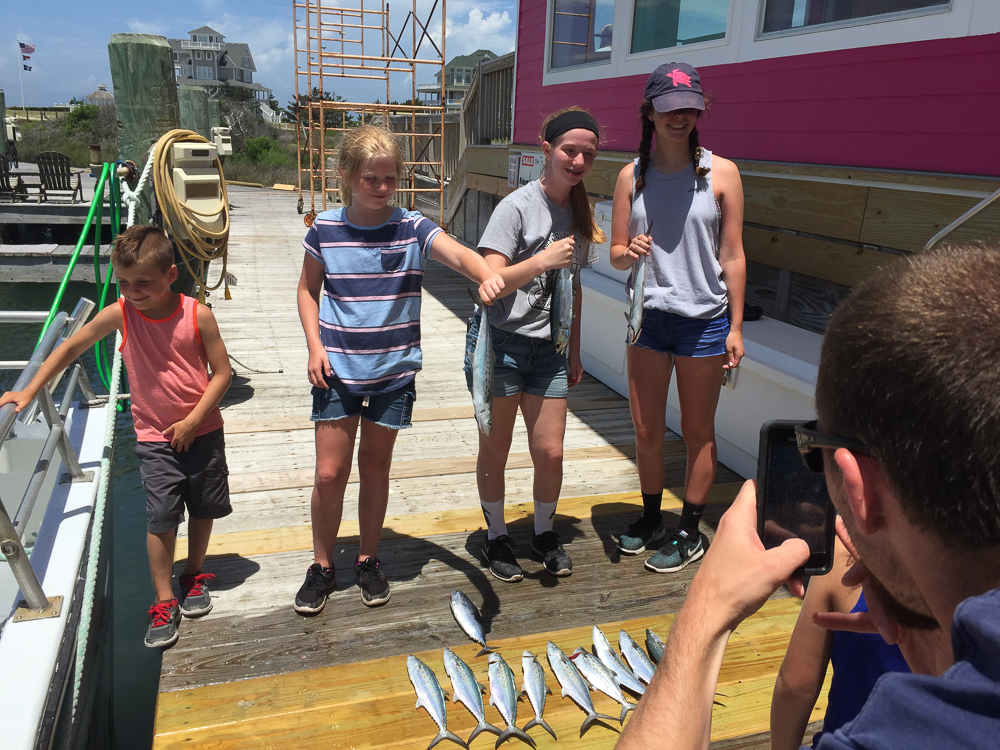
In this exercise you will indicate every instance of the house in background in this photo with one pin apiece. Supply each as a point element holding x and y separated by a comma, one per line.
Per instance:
<point>457,77</point>
<point>207,59</point>
<point>102,97</point>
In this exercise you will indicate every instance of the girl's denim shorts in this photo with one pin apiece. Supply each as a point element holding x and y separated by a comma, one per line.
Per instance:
<point>684,337</point>
<point>392,409</point>
<point>523,363</point>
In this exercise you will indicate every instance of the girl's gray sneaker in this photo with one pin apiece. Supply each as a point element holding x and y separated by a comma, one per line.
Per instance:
<point>676,553</point>
<point>640,534</point>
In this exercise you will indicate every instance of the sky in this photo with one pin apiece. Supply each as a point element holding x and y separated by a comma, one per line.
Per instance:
<point>71,41</point>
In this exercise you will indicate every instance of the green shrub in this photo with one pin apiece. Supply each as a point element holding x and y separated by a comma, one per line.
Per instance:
<point>81,119</point>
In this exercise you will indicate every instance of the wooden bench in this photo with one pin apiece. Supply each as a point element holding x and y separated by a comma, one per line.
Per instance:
<point>11,185</point>
<point>56,174</point>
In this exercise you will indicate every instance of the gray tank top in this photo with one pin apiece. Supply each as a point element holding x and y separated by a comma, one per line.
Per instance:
<point>683,274</point>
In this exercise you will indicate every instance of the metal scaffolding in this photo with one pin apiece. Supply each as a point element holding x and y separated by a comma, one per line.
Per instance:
<point>342,39</point>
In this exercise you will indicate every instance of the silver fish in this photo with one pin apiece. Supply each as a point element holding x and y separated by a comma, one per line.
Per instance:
<point>561,309</point>
<point>431,697</point>
<point>636,657</point>
<point>483,359</point>
<point>654,646</point>
<point>573,684</point>
<point>467,617</point>
<point>503,695</point>
<point>634,316</point>
<point>610,659</point>
<point>536,690</point>
<point>467,690</point>
<point>600,678</point>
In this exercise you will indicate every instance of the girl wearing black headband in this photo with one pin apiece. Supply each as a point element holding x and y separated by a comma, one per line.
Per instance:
<point>544,226</point>
<point>681,208</point>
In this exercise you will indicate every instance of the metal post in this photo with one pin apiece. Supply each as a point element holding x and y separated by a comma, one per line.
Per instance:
<point>65,447</point>
<point>24,574</point>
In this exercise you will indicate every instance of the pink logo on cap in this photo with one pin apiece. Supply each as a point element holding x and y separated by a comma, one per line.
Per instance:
<point>679,77</point>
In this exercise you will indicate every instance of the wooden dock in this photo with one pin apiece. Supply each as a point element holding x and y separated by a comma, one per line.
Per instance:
<point>253,673</point>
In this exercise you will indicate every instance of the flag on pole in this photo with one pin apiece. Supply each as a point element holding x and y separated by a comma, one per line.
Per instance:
<point>27,49</point>
<point>27,67</point>
<point>25,57</point>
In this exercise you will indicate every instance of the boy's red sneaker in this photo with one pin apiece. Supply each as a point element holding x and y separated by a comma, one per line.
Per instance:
<point>196,600</point>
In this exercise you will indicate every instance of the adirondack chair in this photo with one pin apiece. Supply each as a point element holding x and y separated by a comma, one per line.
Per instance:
<point>56,176</point>
<point>10,187</point>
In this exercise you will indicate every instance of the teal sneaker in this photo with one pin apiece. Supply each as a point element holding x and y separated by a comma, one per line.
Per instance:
<point>638,535</point>
<point>676,553</point>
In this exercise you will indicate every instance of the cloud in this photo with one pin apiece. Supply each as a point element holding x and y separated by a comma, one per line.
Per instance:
<point>494,32</point>
<point>146,27</point>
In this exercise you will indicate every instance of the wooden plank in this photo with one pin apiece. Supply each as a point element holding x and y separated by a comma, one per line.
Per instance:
<point>842,264</point>
<point>488,184</point>
<point>819,208</point>
<point>907,220</point>
<point>488,160</point>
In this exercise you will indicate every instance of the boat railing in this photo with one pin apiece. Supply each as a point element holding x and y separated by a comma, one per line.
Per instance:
<point>991,198</point>
<point>62,326</point>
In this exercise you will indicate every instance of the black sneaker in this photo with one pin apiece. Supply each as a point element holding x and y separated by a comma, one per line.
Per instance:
<point>679,551</point>
<point>196,600</point>
<point>641,534</point>
<point>546,545</point>
<point>163,620</point>
<point>499,554</point>
<point>371,579</point>
<point>318,585</point>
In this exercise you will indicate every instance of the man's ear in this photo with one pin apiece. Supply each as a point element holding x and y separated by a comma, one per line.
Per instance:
<point>864,488</point>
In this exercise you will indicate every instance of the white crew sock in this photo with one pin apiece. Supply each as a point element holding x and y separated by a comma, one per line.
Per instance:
<point>495,523</point>
<point>545,516</point>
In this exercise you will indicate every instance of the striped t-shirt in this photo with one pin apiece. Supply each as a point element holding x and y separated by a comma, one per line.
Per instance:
<point>369,312</point>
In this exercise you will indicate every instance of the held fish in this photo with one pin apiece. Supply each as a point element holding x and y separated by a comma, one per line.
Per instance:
<point>467,691</point>
<point>573,685</point>
<point>431,697</point>
<point>561,309</point>
<point>483,360</point>
<point>634,316</point>
<point>636,657</point>
<point>654,646</point>
<point>467,617</point>
<point>503,695</point>
<point>536,690</point>
<point>610,659</point>
<point>600,678</point>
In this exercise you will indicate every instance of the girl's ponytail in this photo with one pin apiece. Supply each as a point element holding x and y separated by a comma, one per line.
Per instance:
<point>696,152</point>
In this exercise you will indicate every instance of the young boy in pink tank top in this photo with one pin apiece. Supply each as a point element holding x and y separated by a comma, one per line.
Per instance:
<point>169,342</point>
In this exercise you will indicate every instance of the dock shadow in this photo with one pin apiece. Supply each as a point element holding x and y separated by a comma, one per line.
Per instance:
<point>230,570</point>
<point>609,520</point>
<point>239,391</point>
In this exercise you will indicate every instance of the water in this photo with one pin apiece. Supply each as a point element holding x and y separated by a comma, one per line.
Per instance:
<point>125,708</point>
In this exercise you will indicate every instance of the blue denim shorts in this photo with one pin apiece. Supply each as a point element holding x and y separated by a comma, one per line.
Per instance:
<point>392,409</point>
<point>684,337</point>
<point>523,363</point>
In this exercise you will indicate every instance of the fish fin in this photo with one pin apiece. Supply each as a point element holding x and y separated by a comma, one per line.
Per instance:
<point>484,727</point>
<point>445,693</point>
<point>626,707</point>
<point>481,688</point>
<point>539,722</point>
<point>591,718</point>
<point>419,704</point>
<point>513,731</point>
<point>548,690</point>
<point>485,649</point>
<point>444,734</point>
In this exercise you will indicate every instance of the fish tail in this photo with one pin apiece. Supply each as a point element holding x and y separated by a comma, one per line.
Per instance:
<point>483,726</point>
<point>538,721</point>
<point>626,707</point>
<point>591,718</point>
<point>485,650</point>
<point>444,734</point>
<point>513,731</point>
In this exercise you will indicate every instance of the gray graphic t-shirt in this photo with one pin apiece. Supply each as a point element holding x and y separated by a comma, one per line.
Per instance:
<point>524,224</point>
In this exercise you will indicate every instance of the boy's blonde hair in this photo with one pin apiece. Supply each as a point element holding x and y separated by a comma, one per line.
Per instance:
<point>140,245</point>
<point>360,145</point>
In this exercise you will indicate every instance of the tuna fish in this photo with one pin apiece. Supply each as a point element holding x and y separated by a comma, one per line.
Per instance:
<point>610,659</point>
<point>483,359</point>
<point>573,685</point>
<point>634,316</point>
<point>654,646</point>
<point>467,617</point>
<point>600,678</point>
<point>431,697</point>
<point>561,309</point>
<point>636,657</point>
<point>536,690</point>
<point>467,691</point>
<point>503,695</point>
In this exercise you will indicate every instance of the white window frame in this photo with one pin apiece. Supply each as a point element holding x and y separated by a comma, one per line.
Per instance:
<point>197,54</point>
<point>177,72</point>
<point>849,23</point>
<point>208,56</point>
<point>203,73</point>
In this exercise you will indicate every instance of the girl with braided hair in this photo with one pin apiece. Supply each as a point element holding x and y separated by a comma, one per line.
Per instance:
<point>680,207</point>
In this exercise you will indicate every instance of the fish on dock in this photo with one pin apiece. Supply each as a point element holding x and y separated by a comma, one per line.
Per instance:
<point>536,690</point>
<point>600,678</point>
<point>467,617</point>
<point>561,309</point>
<point>635,313</point>
<point>483,361</point>
<point>636,657</point>
<point>467,690</point>
<point>610,659</point>
<point>573,685</point>
<point>430,695</point>
<point>654,646</point>
<point>503,695</point>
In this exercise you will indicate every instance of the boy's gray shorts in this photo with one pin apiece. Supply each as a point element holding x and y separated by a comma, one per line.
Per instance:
<point>198,478</point>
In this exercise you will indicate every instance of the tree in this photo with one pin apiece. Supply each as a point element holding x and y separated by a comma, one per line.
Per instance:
<point>331,118</point>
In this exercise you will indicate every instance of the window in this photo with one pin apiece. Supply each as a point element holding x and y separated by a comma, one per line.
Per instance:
<point>208,55</point>
<point>247,77</point>
<point>197,55</point>
<point>659,24</point>
<point>176,57</point>
<point>782,15</point>
<point>177,72</point>
<point>204,74</point>
<point>581,31</point>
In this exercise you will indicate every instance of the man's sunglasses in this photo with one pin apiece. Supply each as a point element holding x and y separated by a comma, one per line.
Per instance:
<point>810,440</point>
